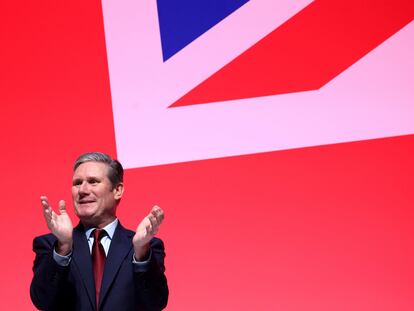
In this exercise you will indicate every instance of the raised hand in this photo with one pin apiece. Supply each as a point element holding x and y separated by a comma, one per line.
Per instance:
<point>146,230</point>
<point>59,224</point>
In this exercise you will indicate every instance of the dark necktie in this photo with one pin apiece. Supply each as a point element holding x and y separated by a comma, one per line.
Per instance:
<point>98,261</point>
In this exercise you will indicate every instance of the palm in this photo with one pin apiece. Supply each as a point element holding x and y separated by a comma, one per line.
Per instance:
<point>59,224</point>
<point>142,234</point>
<point>148,227</point>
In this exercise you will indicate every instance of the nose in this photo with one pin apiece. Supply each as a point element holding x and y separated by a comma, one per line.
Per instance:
<point>84,188</point>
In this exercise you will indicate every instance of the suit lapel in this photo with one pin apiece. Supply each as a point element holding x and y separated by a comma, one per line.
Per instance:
<point>82,259</point>
<point>120,247</point>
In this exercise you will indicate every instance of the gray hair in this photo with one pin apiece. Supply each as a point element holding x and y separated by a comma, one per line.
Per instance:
<point>115,169</point>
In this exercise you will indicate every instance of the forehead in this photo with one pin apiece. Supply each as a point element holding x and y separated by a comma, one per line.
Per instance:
<point>91,169</point>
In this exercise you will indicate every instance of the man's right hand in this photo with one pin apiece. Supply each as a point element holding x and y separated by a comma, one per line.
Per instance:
<point>60,225</point>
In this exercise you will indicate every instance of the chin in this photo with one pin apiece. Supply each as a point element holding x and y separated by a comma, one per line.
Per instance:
<point>85,211</point>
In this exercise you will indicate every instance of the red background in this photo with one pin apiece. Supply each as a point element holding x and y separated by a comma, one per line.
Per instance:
<point>321,228</point>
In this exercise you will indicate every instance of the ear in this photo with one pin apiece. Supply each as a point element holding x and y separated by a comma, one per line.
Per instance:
<point>118,191</point>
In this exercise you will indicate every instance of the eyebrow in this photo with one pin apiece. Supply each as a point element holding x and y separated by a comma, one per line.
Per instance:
<point>87,178</point>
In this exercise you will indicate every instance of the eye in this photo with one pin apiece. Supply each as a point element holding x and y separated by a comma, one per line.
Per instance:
<point>93,181</point>
<point>76,182</point>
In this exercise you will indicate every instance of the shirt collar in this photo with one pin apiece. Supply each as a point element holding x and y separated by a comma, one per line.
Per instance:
<point>109,228</point>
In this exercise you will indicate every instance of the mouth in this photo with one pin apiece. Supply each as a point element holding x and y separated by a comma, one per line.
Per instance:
<point>83,202</point>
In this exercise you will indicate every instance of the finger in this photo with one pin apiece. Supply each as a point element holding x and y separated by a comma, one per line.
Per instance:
<point>44,201</point>
<point>49,217</point>
<point>47,210</point>
<point>46,207</point>
<point>54,215</point>
<point>154,224</point>
<point>153,220</point>
<point>62,207</point>
<point>47,213</point>
<point>148,229</point>
<point>43,198</point>
<point>151,230</point>
<point>158,213</point>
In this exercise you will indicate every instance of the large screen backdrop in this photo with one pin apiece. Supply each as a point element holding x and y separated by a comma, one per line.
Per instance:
<point>276,136</point>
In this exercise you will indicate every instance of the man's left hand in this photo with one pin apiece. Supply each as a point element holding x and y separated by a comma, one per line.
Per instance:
<point>146,230</point>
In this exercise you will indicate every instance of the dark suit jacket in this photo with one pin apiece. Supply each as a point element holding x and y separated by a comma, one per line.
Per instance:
<point>124,286</point>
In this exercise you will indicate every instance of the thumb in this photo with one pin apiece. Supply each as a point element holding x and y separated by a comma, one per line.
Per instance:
<point>62,207</point>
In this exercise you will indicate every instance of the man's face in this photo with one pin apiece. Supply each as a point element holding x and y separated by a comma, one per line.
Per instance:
<point>94,197</point>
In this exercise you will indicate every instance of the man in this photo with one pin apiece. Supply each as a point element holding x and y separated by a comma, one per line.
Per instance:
<point>87,268</point>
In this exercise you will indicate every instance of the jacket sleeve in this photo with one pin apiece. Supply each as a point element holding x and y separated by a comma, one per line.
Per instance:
<point>48,289</point>
<point>151,289</point>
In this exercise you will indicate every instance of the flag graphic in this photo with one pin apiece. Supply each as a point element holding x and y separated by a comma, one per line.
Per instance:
<point>271,75</point>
